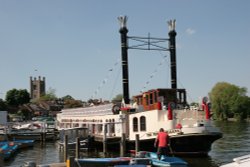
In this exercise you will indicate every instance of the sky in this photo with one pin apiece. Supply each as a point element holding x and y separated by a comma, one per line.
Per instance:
<point>75,45</point>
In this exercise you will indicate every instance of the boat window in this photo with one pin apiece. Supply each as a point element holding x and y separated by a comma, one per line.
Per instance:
<point>155,97</point>
<point>135,124</point>
<point>151,98</point>
<point>139,101</point>
<point>143,123</point>
<point>147,100</point>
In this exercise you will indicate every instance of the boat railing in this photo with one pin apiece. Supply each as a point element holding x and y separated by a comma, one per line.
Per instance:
<point>100,109</point>
<point>190,118</point>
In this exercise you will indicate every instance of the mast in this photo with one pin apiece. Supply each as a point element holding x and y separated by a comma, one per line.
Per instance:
<point>124,54</point>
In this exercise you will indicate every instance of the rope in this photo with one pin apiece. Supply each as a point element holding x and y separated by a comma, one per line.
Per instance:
<point>154,72</point>
<point>115,83</point>
<point>105,80</point>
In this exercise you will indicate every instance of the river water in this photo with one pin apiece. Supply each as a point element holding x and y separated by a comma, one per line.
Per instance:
<point>235,142</point>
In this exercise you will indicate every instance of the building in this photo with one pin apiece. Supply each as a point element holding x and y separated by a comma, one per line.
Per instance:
<point>37,87</point>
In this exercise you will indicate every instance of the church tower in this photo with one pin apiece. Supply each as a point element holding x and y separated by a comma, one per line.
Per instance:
<point>37,87</point>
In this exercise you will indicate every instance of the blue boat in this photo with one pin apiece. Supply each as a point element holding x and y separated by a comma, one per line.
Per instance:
<point>7,150</point>
<point>24,143</point>
<point>21,143</point>
<point>165,161</point>
<point>131,165</point>
<point>103,162</point>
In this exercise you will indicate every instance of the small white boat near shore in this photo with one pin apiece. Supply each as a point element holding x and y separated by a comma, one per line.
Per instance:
<point>242,161</point>
<point>34,130</point>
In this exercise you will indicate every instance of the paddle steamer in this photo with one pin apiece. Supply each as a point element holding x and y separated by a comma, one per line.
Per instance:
<point>190,129</point>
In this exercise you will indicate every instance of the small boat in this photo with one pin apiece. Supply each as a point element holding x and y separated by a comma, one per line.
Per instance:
<point>24,143</point>
<point>243,161</point>
<point>103,162</point>
<point>7,150</point>
<point>27,134</point>
<point>39,130</point>
<point>20,143</point>
<point>164,161</point>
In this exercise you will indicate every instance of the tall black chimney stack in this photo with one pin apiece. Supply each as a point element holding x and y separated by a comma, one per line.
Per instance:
<point>124,53</point>
<point>172,50</point>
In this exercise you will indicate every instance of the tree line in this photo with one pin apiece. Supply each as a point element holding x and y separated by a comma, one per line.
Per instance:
<point>228,101</point>
<point>16,100</point>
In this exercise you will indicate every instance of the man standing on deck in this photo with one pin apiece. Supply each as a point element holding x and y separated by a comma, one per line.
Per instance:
<point>162,140</point>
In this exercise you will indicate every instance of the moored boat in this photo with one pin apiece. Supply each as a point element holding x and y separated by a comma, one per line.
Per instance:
<point>103,162</point>
<point>148,112</point>
<point>20,143</point>
<point>28,131</point>
<point>165,160</point>
<point>7,150</point>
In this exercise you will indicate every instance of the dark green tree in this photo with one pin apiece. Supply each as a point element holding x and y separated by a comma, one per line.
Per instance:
<point>67,97</point>
<point>229,101</point>
<point>16,97</point>
<point>2,105</point>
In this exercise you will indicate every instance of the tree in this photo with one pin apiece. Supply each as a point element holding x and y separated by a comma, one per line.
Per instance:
<point>229,101</point>
<point>68,103</point>
<point>67,97</point>
<point>2,105</point>
<point>49,96</point>
<point>117,98</point>
<point>16,97</point>
<point>25,113</point>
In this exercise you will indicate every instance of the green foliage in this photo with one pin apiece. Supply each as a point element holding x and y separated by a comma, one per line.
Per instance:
<point>194,104</point>
<point>117,98</point>
<point>49,96</point>
<point>67,97</point>
<point>229,101</point>
<point>16,97</point>
<point>70,103</point>
<point>2,105</point>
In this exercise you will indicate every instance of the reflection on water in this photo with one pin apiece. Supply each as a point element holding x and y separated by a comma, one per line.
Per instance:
<point>235,142</point>
<point>40,153</point>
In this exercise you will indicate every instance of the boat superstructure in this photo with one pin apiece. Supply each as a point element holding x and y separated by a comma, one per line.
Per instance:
<point>147,112</point>
<point>186,126</point>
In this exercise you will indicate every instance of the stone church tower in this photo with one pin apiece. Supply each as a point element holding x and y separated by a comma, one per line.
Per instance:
<point>37,87</point>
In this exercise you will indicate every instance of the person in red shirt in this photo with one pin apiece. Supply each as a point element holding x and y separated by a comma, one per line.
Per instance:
<point>162,140</point>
